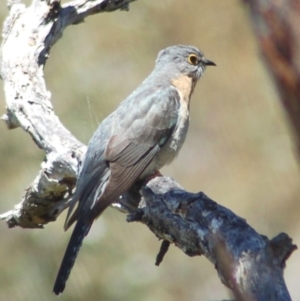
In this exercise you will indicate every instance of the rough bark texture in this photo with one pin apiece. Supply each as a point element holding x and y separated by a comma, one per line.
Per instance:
<point>276,26</point>
<point>28,36</point>
<point>247,262</point>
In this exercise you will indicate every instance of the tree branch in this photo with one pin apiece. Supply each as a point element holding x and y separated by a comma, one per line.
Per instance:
<point>248,263</point>
<point>193,222</point>
<point>28,35</point>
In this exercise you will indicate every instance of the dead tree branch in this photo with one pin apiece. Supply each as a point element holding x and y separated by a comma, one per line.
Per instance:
<point>28,35</point>
<point>247,262</point>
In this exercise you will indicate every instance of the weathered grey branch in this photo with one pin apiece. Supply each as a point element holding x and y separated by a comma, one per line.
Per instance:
<point>248,263</point>
<point>28,35</point>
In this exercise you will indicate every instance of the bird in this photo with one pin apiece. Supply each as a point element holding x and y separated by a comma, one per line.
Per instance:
<point>142,135</point>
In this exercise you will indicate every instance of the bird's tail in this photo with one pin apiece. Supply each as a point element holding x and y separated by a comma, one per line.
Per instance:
<point>80,231</point>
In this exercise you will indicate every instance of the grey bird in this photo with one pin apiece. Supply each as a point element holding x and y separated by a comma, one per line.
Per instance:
<point>142,135</point>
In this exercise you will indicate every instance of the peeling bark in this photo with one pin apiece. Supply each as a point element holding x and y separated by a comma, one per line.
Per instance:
<point>28,35</point>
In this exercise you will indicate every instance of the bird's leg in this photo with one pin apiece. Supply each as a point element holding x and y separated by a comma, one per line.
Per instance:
<point>156,173</point>
<point>131,199</point>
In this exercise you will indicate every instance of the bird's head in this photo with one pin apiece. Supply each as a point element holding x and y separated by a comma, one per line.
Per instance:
<point>187,60</point>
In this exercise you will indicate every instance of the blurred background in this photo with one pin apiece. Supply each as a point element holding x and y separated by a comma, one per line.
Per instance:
<point>239,151</point>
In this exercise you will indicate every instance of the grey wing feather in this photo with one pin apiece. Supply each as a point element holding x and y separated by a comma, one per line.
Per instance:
<point>143,126</point>
<point>123,146</point>
<point>141,135</point>
<point>93,173</point>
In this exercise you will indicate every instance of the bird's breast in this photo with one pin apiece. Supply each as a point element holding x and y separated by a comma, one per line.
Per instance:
<point>173,145</point>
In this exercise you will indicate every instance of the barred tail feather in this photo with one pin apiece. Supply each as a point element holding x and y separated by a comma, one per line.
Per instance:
<point>80,231</point>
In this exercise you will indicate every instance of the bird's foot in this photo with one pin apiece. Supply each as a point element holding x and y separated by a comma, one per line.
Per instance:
<point>156,173</point>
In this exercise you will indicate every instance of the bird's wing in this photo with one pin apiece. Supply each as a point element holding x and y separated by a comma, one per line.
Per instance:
<point>122,147</point>
<point>94,171</point>
<point>143,127</point>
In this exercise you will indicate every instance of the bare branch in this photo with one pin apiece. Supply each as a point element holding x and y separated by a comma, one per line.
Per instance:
<point>28,35</point>
<point>76,11</point>
<point>248,263</point>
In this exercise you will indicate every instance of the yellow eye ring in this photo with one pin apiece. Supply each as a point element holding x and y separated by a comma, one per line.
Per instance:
<point>193,59</point>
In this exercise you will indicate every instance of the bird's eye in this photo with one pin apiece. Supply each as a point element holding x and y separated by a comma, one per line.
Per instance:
<point>193,59</point>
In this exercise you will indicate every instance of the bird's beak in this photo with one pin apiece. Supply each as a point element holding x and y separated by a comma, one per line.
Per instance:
<point>208,63</point>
